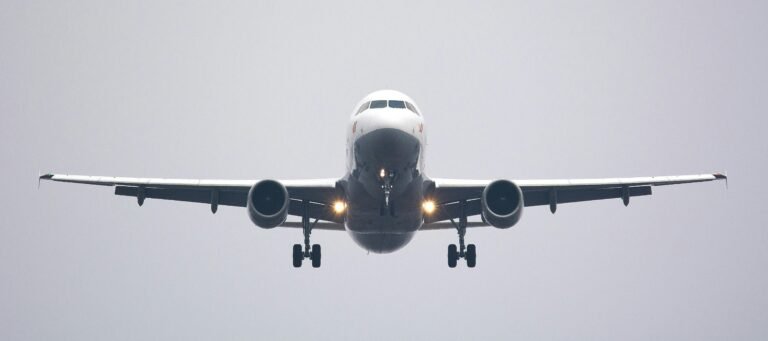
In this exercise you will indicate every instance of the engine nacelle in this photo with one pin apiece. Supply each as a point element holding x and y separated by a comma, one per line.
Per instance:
<point>268,203</point>
<point>502,204</point>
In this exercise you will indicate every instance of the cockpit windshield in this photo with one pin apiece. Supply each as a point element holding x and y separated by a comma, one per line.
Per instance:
<point>378,104</point>
<point>411,108</point>
<point>363,107</point>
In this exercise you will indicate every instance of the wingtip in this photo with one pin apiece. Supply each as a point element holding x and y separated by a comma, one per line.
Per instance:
<point>722,176</point>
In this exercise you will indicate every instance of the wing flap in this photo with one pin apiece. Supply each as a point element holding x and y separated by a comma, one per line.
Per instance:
<point>203,196</point>
<point>542,197</point>
<point>452,210</point>
<point>447,225</point>
<point>315,211</point>
<point>320,225</point>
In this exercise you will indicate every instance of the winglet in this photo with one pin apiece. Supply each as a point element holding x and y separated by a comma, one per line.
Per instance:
<point>47,176</point>
<point>721,176</point>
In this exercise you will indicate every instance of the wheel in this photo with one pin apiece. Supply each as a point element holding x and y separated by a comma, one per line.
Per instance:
<point>316,254</point>
<point>453,255</point>
<point>298,255</point>
<point>471,255</point>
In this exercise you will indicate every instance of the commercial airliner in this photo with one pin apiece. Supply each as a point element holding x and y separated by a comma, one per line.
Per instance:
<point>385,197</point>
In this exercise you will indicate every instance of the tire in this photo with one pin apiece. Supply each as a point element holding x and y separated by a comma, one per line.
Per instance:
<point>471,255</point>
<point>453,255</point>
<point>316,254</point>
<point>298,255</point>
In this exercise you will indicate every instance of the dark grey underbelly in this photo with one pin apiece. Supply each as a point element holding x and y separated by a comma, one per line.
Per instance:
<point>372,225</point>
<point>382,242</point>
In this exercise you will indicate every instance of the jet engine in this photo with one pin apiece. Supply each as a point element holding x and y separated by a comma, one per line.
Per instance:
<point>502,204</point>
<point>268,202</point>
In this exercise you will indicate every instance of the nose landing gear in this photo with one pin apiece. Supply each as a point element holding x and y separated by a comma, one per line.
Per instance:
<point>312,253</point>
<point>387,177</point>
<point>468,252</point>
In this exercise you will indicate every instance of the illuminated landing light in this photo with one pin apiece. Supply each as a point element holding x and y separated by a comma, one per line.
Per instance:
<point>428,206</point>
<point>382,173</point>
<point>339,207</point>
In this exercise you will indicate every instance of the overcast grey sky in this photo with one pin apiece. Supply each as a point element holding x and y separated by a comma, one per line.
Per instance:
<point>247,89</point>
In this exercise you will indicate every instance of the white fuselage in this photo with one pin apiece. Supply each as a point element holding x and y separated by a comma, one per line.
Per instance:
<point>385,171</point>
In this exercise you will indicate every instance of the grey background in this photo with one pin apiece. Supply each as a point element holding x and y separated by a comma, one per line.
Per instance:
<point>246,89</point>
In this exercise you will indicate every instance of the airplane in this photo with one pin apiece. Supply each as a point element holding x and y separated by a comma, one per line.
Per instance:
<point>385,197</point>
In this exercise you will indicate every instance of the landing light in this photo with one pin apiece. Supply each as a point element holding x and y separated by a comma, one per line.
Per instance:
<point>339,206</point>
<point>428,206</point>
<point>382,173</point>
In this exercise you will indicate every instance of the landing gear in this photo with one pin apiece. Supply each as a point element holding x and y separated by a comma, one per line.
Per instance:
<point>315,256</point>
<point>471,255</point>
<point>387,177</point>
<point>468,252</point>
<point>312,253</point>
<point>453,256</point>
<point>298,255</point>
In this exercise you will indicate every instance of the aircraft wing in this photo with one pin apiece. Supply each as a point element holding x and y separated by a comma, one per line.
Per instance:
<point>449,193</point>
<point>320,193</point>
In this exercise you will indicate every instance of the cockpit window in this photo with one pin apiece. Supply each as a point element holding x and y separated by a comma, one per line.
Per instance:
<point>395,104</point>
<point>378,104</point>
<point>411,107</point>
<point>363,108</point>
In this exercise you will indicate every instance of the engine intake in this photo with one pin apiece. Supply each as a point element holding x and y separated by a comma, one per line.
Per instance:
<point>502,204</point>
<point>268,203</point>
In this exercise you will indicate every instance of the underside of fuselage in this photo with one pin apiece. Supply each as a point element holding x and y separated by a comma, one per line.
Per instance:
<point>386,158</point>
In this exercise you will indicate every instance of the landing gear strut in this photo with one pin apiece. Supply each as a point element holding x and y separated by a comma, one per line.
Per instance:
<point>387,177</point>
<point>312,253</point>
<point>468,252</point>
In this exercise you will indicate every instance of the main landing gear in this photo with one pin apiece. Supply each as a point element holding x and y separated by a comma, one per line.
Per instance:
<point>470,251</point>
<point>312,253</point>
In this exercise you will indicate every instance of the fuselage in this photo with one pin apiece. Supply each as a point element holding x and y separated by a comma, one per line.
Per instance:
<point>386,139</point>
